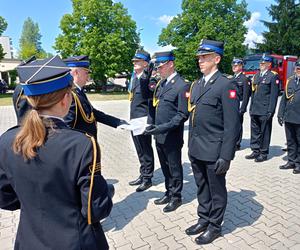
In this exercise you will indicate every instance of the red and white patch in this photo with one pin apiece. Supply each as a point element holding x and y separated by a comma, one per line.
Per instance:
<point>187,94</point>
<point>232,94</point>
<point>277,81</point>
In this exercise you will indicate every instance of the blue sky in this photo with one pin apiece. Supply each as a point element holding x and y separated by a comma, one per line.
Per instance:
<point>150,15</point>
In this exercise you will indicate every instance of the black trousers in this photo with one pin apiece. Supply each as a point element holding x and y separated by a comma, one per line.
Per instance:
<point>238,143</point>
<point>144,151</point>
<point>292,132</point>
<point>211,193</point>
<point>171,166</point>
<point>261,130</point>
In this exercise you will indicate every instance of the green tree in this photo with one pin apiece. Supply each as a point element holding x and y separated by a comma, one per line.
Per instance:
<point>3,26</point>
<point>104,31</point>
<point>30,41</point>
<point>220,20</point>
<point>283,32</point>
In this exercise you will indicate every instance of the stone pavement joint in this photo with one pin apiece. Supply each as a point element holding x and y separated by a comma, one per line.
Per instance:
<point>263,204</point>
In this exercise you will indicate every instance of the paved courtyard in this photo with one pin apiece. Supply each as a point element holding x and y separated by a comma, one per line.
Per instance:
<point>263,209</point>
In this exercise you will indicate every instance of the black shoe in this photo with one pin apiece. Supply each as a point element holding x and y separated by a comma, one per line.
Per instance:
<point>296,170</point>
<point>138,181</point>
<point>163,200</point>
<point>238,147</point>
<point>196,229</point>
<point>172,205</point>
<point>144,186</point>
<point>252,156</point>
<point>261,158</point>
<point>287,166</point>
<point>207,237</point>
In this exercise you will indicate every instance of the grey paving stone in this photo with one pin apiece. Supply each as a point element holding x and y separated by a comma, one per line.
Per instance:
<point>263,201</point>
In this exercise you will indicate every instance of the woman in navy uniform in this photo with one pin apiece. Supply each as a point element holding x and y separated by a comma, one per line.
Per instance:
<point>214,130</point>
<point>289,114</point>
<point>170,101</point>
<point>82,115</point>
<point>51,172</point>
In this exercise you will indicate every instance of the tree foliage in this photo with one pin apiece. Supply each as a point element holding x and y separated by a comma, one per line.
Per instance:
<point>283,32</point>
<point>30,41</point>
<point>220,20</point>
<point>104,31</point>
<point>3,26</point>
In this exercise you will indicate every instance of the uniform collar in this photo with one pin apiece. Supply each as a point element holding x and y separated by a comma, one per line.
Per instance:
<point>170,77</point>
<point>77,86</point>
<point>207,78</point>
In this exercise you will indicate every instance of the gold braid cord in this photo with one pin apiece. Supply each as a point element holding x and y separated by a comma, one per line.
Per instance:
<point>289,97</point>
<point>89,215</point>
<point>254,86</point>
<point>156,100</point>
<point>87,119</point>
<point>192,108</point>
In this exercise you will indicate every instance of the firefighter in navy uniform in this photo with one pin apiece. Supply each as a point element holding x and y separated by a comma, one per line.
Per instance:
<point>170,100</point>
<point>265,90</point>
<point>214,130</point>
<point>82,115</point>
<point>139,107</point>
<point>289,114</point>
<point>51,172</point>
<point>243,86</point>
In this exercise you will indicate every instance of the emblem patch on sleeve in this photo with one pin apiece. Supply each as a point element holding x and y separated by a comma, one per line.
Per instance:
<point>187,94</point>
<point>232,94</point>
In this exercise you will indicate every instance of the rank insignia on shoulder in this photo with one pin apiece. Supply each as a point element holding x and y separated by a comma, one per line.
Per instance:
<point>187,94</point>
<point>232,94</point>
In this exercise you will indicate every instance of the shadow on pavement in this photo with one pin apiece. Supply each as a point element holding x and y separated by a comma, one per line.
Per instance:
<point>242,210</point>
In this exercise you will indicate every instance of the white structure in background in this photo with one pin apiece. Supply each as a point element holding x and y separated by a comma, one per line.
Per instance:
<point>8,63</point>
<point>6,44</point>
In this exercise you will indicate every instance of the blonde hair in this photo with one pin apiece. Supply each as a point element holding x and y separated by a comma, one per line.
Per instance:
<point>33,129</point>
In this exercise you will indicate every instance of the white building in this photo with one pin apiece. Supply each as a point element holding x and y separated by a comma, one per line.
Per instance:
<point>6,44</point>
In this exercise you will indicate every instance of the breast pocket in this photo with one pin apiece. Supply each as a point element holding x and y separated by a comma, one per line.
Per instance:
<point>209,106</point>
<point>170,97</point>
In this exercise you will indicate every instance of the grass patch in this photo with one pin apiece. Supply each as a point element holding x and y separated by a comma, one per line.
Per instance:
<point>6,99</point>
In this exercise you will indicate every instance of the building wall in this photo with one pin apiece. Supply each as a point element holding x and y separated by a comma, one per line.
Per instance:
<point>6,43</point>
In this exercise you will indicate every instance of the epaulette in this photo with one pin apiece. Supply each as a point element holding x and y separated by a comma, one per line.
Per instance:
<point>228,76</point>
<point>187,81</point>
<point>274,72</point>
<point>291,77</point>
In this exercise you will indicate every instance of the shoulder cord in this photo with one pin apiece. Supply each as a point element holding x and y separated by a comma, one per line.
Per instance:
<point>89,215</point>
<point>286,91</point>
<point>87,119</point>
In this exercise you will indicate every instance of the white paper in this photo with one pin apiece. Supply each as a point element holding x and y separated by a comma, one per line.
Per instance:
<point>138,125</point>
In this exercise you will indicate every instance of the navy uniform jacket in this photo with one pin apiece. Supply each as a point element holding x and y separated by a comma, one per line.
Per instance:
<point>171,104</point>
<point>265,92</point>
<point>83,116</point>
<point>52,192</point>
<point>139,98</point>
<point>289,108</point>
<point>20,103</point>
<point>243,86</point>
<point>214,120</point>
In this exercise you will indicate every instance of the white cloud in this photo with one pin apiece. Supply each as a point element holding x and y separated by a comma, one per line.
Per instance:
<point>165,19</point>
<point>253,21</point>
<point>252,37</point>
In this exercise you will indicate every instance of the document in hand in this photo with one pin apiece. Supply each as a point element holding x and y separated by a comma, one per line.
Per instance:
<point>138,125</point>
